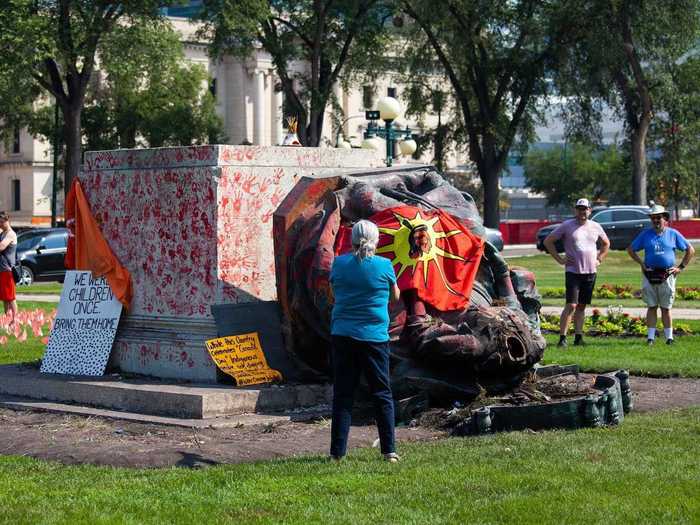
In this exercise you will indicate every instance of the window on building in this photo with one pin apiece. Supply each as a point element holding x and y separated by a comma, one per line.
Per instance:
<point>16,142</point>
<point>391,92</point>
<point>15,195</point>
<point>368,93</point>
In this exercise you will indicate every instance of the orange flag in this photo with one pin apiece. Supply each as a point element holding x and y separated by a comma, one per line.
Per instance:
<point>87,248</point>
<point>432,253</point>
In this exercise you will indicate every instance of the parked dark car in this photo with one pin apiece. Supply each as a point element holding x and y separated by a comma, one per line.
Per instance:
<point>41,252</point>
<point>621,225</point>
<point>494,237</point>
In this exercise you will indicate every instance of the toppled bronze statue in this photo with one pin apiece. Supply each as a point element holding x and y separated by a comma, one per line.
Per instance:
<point>440,353</point>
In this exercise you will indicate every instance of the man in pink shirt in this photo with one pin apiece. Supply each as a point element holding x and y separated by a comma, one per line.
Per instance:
<point>582,257</point>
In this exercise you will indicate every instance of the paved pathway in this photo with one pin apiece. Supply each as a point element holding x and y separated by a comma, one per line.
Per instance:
<point>519,250</point>
<point>38,298</point>
<point>678,313</point>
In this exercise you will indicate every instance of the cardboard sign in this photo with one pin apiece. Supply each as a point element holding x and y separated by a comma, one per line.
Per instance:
<point>241,357</point>
<point>84,328</point>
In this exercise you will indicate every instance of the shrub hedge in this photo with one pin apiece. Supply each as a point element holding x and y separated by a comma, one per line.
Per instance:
<point>625,291</point>
<point>613,322</point>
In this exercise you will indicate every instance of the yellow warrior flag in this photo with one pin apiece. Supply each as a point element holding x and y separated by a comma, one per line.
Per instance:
<point>241,357</point>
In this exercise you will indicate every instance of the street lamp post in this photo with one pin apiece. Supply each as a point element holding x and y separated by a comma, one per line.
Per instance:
<point>388,110</point>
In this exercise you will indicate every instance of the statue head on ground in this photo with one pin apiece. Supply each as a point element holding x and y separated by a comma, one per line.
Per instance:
<point>465,321</point>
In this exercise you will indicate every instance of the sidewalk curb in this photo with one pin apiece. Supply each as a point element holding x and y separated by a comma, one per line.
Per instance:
<point>38,298</point>
<point>677,313</point>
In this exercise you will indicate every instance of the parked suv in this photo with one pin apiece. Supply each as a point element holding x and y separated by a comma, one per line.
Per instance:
<point>41,252</point>
<point>621,225</point>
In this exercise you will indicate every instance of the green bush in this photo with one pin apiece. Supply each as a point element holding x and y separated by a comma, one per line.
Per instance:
<point>612,291</point>
<point>688,293</point>
<point>553,293</point>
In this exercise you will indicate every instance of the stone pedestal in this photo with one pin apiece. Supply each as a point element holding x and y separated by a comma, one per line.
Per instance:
<point>194,227</point>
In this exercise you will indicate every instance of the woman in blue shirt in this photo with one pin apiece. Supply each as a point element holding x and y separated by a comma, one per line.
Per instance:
<point>362,285</point>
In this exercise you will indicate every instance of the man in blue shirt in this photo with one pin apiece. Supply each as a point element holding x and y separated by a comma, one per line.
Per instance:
<point>659,268</point>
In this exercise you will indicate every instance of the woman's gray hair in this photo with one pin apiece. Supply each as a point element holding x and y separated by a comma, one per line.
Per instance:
<point>365,237</point>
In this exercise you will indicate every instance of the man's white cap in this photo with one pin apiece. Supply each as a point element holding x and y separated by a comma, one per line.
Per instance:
<point>583,202</point>
<point>657,209</point>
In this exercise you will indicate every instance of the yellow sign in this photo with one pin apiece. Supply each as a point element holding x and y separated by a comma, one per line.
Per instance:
<point>241,357</point>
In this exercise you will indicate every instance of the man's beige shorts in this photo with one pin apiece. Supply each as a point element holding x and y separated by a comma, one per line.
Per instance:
<point>659,294</point>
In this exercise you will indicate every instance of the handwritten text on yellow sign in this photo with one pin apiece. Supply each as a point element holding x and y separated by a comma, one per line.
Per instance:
<point>241,357</point>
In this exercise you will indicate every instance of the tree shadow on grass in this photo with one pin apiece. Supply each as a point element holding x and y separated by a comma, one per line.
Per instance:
<point>190,460</point>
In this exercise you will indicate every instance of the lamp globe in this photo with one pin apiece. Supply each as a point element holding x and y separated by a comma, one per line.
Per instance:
<point>389,108</point>
<point>408,147</point>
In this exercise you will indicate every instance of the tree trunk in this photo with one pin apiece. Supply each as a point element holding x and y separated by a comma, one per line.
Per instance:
<point>489,178</point>
<point>314,131</point>
<point>71,119</point>
<point>639,107</point>
<point>676,196</point>
<point>440,143</point>
<point>639,165</point>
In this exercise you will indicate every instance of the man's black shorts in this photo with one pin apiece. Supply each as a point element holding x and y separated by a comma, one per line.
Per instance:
<point>579,287</point>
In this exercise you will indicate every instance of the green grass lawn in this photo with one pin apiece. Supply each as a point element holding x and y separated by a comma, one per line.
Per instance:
<point>52,288</point>
<point>30,350</point>
<point>604,354</point>
<point>15,352</point>
<point>643,471</point>
<point>617,268</point>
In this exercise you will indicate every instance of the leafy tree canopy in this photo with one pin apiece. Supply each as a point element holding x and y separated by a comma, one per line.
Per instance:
<point>565,172</point>
<point>674,173</point>
<point>154,98</point>
<point>622,59</point>
<point>313,44</point>
<point>49,46</point>
<point>497,57</point>
<point>144,94</point>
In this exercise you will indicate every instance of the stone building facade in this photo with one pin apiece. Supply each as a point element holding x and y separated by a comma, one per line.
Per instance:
<point>26,176</point>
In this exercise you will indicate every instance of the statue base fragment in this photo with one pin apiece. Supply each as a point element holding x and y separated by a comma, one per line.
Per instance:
<point>550,398</point>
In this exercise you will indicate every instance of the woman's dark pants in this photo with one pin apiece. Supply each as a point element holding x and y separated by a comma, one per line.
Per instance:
<point>351,358</point>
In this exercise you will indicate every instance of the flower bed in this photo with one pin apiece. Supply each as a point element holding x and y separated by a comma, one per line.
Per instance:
<point>614,291</point>
<point>613,322</point>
